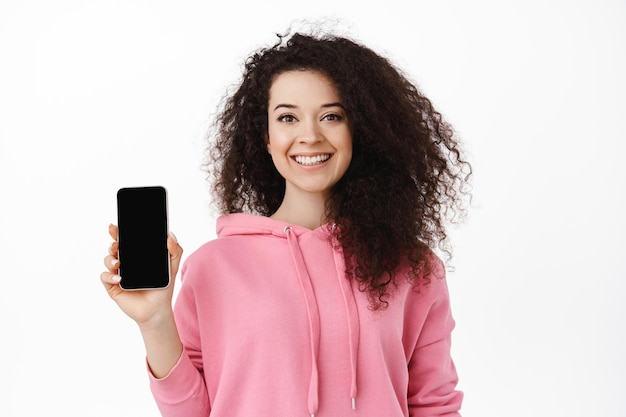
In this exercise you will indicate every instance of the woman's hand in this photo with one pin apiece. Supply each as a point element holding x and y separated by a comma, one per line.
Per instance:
<point>146,307</point>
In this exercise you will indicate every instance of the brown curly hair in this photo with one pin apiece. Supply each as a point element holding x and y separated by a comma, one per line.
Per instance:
<point>407,176</point>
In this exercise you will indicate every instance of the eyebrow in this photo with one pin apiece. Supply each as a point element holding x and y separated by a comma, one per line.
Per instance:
<point>293,106</point>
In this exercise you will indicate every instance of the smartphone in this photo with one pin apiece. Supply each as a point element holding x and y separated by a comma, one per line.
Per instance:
<point>142,237</point>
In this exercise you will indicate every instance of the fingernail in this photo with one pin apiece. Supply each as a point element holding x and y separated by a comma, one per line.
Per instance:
<point>113,262</point>
<point>116,278</point>
<point>173,237</point>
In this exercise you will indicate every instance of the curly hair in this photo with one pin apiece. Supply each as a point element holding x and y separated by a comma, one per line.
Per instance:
<point>407,177</point>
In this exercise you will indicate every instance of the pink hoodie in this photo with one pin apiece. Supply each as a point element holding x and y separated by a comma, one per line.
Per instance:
<point>271,328</point>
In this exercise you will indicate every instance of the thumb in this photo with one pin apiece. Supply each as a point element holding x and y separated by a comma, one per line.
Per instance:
<point>176,252</point>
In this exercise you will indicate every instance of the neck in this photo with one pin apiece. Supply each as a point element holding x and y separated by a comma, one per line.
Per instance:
<point>305,210</point>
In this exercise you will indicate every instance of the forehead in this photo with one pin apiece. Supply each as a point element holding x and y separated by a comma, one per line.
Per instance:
<point>302,85</point>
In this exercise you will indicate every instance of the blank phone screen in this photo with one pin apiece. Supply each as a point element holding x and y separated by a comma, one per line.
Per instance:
<point>142,235</point>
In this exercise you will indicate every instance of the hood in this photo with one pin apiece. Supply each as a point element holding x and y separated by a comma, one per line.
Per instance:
<point>241,224</point>
<point>250,224</point>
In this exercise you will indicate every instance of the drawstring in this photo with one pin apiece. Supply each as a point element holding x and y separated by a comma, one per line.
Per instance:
<point>313,316</point>
<point>352,316</point>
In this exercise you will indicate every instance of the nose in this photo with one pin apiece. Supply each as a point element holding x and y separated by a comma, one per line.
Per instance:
<point>310,133</point>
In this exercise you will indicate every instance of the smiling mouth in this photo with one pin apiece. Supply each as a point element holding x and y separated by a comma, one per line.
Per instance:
<point>311,160</point>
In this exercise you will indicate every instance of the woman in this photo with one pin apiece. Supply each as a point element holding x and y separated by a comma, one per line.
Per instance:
<point>321,295</point>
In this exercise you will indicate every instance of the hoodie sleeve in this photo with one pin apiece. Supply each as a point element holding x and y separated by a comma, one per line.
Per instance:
<point>183,392</point>
<point>432,375</point>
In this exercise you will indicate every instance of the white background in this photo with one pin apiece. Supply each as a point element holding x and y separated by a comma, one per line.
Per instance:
<point>96,95</point>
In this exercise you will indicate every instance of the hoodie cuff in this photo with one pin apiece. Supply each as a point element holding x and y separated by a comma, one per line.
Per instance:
<point>181,382</point>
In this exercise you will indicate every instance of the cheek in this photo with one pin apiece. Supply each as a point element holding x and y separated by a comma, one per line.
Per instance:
<point>277,141</point>
<point>347,143</point>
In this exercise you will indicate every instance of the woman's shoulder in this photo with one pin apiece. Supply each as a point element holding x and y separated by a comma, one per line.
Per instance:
<point>427,280</point>
<point>212,250</point>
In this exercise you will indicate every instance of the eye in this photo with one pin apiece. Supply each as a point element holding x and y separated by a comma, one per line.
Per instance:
<point>286,118</point>
<point>331,117</point>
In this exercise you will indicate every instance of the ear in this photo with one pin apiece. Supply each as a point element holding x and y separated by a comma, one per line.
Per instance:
<point>266,139</point>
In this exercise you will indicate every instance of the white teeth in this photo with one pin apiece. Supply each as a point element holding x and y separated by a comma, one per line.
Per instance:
<point>311,160</point>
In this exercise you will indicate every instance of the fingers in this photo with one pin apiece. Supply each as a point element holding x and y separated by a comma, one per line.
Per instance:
<point>109,279</point>
<point>111,263</point>
<point>113,231</point>
<point>113,248</point>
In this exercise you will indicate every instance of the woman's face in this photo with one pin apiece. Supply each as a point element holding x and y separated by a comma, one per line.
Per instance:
<point>309,136</point>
